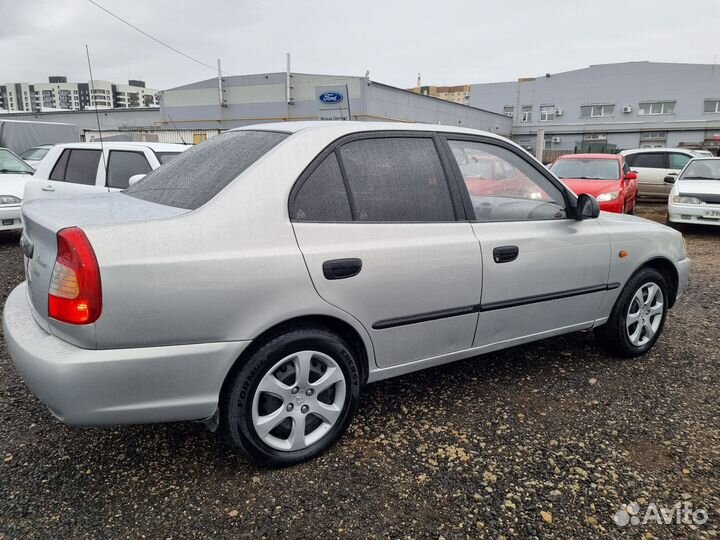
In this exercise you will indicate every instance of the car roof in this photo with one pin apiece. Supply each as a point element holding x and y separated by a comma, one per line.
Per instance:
<point>687,151</point>
<point>349,127</point>
<point>127,145</point>
<point>590,156</point>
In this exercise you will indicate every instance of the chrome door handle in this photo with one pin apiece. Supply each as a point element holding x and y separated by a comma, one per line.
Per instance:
<point>48,188</point>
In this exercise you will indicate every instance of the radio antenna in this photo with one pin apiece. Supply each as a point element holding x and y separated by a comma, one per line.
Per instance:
<point>176,129</point>
<point>97,114</point>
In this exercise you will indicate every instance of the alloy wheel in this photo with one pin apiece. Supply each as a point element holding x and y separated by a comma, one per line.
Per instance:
<point>644,314</point>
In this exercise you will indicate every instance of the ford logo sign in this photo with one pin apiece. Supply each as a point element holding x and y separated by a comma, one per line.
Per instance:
<point>331,97</point>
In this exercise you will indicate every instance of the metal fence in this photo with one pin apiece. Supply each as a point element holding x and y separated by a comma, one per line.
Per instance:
<point>554,151</point>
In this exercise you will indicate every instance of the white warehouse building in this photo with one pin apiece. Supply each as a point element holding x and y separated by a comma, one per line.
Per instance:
<point>277,97</point>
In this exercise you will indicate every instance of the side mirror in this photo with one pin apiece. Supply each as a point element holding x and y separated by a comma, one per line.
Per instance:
<point>587,207</point>
<point>631,176</point>
<point>134,179</point>
<point>670,179</point>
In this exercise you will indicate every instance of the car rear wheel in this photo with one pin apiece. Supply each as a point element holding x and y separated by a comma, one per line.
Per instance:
<point>638,317</point>
<point>293,398</point>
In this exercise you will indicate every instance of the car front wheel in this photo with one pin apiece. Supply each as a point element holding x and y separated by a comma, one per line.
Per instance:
<point>638,317</point>
<point>293,398</point>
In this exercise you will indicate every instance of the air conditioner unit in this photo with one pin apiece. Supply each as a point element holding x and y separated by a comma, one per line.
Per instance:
<point>627,108</point>
<point>556,139</point>
<point>558,112</point>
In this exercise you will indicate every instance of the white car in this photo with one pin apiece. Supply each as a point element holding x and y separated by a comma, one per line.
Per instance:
<point>695,195</point>
<point>33,156</point>
<point>652,165</point>
<point>84,168</point>
<point>14,173</point>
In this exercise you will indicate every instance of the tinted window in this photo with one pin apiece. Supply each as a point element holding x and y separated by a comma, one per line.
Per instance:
<point>198,174</point>
<point>164,157</point>
<point>322,196</point>
<point>677,161</point>
<point>58,172</point>
<point>397,179</point>
<point>123,165</point>
<point>653,160</point>
<point>505,187</point>
<point>82,166</point>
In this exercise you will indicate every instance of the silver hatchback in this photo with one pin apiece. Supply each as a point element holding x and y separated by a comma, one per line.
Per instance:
<point>259,280</point>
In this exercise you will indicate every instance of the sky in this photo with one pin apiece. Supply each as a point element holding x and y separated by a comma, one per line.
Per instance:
<point>448,42</point>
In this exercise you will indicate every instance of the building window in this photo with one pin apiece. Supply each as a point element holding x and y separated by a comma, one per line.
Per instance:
<point>657,107</point>
<point>596,111</point>
<point>595,137</point>
<point>526,113</point>
<point>712,105</point>
<point>653,135</point>
<point>547,113</point>
<point>509,110</point>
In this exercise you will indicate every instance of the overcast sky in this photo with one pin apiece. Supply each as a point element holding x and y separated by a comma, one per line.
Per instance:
<point>449,42</point>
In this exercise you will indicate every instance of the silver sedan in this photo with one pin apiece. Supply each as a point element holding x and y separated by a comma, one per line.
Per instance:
<point>259,280</point>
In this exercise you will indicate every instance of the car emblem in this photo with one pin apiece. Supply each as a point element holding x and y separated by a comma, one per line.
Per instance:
<point>331,97</point>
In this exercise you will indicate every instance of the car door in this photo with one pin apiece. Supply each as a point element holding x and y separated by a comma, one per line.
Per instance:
<point>629,185</point>
<point>122,164</point>
<point>385,239</point>
<point>543,273</point>
<point>652,168</point>
<point>77,171</point>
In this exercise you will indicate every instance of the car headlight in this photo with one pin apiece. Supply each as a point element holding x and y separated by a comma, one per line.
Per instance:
<point>610,196</point>
<point>680,199</point>
<point>9,199</point>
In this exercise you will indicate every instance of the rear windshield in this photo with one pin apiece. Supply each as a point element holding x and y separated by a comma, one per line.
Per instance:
<point>198,174</point>
<point>587,169</point>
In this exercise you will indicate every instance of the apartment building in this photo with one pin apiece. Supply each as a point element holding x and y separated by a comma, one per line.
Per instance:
<point>456,94</point>
<point>59,95</point>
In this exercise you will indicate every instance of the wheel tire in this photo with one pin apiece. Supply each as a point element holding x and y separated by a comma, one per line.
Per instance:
<point>632,210</point>
<point>615,334</point>
<point>324,347</point>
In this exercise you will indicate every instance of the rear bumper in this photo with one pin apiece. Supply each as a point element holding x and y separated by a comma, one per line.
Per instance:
<point>8,213</point>
<point>115,386</point>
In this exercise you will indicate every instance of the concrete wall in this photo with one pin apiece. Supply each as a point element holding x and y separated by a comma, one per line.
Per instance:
<point>618,84</point>
<point>109,119</point>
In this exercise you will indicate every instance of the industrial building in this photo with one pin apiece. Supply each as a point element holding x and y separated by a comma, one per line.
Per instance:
<point>60,95</point>
<point>626,105</point>
<point>277,97</point>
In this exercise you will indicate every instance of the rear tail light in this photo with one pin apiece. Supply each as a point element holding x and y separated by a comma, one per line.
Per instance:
<point>75,294</point>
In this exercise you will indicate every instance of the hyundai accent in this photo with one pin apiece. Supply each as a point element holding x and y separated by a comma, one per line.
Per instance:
<point>259,280</point>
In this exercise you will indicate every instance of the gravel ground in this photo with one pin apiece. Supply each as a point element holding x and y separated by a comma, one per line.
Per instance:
<point>542,441</point>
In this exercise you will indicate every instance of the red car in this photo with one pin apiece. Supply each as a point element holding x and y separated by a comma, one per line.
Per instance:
<point>604,176</point>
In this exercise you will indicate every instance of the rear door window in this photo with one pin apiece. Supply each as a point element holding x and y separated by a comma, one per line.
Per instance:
<point>322,197</point>
<point>198,174</point>
<point>397,179</point>
<point>649,160</point>
<point>58,172</point>
<point>77,166</point>
<point>122,165</point>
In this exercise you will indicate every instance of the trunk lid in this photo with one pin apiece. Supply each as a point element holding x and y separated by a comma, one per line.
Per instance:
<point>43,218</point>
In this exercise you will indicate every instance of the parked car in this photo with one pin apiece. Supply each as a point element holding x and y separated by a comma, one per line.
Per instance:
<point>33,156</point>
<point>653,165</point>
<point>82,168</point>
<point>258,281</point>
<point>14,172</point>
<point>695,195</point>
<point>604,176</point>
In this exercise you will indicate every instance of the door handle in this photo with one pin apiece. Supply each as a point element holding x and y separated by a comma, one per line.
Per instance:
<point>341,268</point>
<point>503,254</point>
<point>48,188</point>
